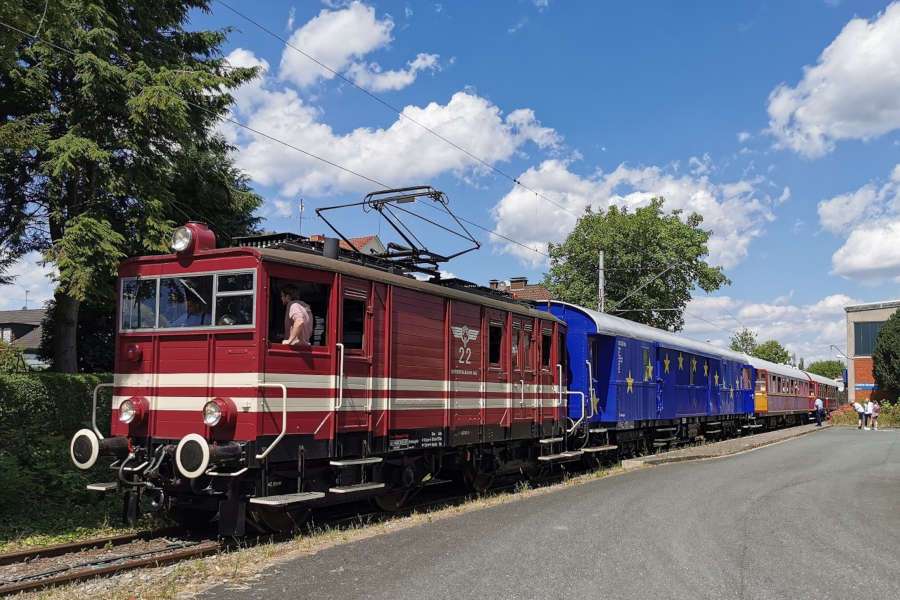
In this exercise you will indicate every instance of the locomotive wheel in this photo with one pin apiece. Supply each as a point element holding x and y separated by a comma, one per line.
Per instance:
<point>193,519</point>
<point>391,502</point>
<point>478,482</point>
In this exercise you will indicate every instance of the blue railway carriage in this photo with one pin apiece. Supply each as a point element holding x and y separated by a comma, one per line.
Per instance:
<point>640,388</point>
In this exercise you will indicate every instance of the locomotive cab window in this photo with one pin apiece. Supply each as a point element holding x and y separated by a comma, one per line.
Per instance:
<point>527,356</point>
<point>313,295</point>
<point>495,343</point>
<point>354,323</point>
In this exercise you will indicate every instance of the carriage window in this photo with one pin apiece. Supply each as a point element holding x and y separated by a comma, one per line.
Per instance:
<point>562,351</point>
<point>185,301</point>
<point>354,323</point>
<point>546,341</point>
<point>138,303</point>
<point>495,343</point>
<point>314,294</point>
<point>516,344</point>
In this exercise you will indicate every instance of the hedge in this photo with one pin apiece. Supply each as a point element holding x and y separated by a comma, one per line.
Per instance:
<point>39,486</point>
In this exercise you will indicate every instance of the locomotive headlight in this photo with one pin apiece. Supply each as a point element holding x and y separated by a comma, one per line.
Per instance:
<point>181,239</point>
<point>132,410</point>
<point>219,412</point>
<point>127,412</point>
<point>212,413</point>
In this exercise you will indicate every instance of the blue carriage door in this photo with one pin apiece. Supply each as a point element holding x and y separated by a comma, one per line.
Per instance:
<point>647,405</point>
<point>667,373</point>
<point>714,380</point>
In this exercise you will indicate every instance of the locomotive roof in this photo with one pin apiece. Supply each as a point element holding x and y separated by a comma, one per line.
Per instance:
<point>610,325</point>
<point>317,261</point>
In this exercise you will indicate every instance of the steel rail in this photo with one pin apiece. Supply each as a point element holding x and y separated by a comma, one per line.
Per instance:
<point>110,566</point>
<point>28,554</point>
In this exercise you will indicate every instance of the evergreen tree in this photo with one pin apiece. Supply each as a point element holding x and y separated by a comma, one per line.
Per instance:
<point>653,261</point>
<point>107,125</point>
<point>886,358</point>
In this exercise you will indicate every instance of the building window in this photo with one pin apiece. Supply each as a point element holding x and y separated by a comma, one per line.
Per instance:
<point>6,335</point>
<point>864,335</point>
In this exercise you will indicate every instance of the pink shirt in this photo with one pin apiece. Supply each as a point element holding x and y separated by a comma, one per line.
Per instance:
<point>298,310</point>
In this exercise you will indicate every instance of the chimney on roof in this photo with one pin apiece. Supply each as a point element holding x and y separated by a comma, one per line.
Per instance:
<point>494,284</point>
<point>518,283</point>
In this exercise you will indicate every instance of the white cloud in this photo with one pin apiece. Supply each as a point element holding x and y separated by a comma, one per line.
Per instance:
<point>372,77</point>
<point>283,208</point>
<point>340,38</point>
<point>290,22</point>
<point>852,92</point>
<point>807,330</point>
<point>870,219</point>
<point>519,25</point>
<point>29,275</point>
<point>401,153</point>
<point>541,4</point>
<point>735,212</point>
<point>743,136</point>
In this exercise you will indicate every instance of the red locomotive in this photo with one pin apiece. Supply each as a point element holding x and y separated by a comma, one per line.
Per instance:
<point>403,382</point>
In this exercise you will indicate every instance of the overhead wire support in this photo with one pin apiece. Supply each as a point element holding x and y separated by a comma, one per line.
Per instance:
<point>289,145</point>
<point>391,107</point>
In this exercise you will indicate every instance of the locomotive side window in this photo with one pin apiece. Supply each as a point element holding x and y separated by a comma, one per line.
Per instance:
<point>546,341</point>
<point>495,343</point>
<point>234,299</point>
<point>138,303</point>
<point>354,323</point>
<point>314,294</point>
<point>526,349</point>
<point>185,301</point>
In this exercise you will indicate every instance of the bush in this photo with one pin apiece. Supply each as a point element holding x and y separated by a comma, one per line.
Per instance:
<point>40,488</point>
<point>11,359</point>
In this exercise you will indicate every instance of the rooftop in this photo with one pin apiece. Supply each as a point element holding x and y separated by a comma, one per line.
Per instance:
<point>873,306</point>
<point>32,316</point>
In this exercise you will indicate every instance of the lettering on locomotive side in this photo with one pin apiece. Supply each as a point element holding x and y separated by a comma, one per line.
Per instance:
<point>462,354</point>
<point>427,439</point>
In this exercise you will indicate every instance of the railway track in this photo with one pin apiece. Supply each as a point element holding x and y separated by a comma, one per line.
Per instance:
<point>68,563</point>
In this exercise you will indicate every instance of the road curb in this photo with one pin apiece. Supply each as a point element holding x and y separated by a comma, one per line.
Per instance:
<point>662,459</point>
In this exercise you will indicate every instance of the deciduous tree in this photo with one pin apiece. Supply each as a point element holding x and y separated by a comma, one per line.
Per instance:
<point>772,351</point>
<point>832,369</point>
<point>653,261</point>
<point>107,125</point>
<point>744,340</point>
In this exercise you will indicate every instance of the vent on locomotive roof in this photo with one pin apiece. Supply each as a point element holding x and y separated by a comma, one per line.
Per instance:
<point>395,207</point>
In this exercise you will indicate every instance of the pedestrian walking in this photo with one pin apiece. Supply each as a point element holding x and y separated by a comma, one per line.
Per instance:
<point>859,413</point>
<point>867,415</point>
<point>876,410</point>
<point>820,408</point>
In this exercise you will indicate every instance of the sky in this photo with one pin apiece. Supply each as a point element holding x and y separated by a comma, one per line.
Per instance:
<point>779,122</point>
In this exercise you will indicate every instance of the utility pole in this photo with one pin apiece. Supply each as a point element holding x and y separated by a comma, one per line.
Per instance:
<point>601,284</point>
<point>300,230</point>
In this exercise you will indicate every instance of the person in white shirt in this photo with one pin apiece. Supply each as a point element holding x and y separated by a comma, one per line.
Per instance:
<point>859,413</point>
<point>820,408</point>
<point>867,415</point>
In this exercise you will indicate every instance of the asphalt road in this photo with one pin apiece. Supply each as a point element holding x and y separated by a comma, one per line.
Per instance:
<point>814,517</point>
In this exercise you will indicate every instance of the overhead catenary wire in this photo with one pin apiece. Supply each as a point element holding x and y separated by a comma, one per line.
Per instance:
<point>288,145</point>
<point>393,108</point>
